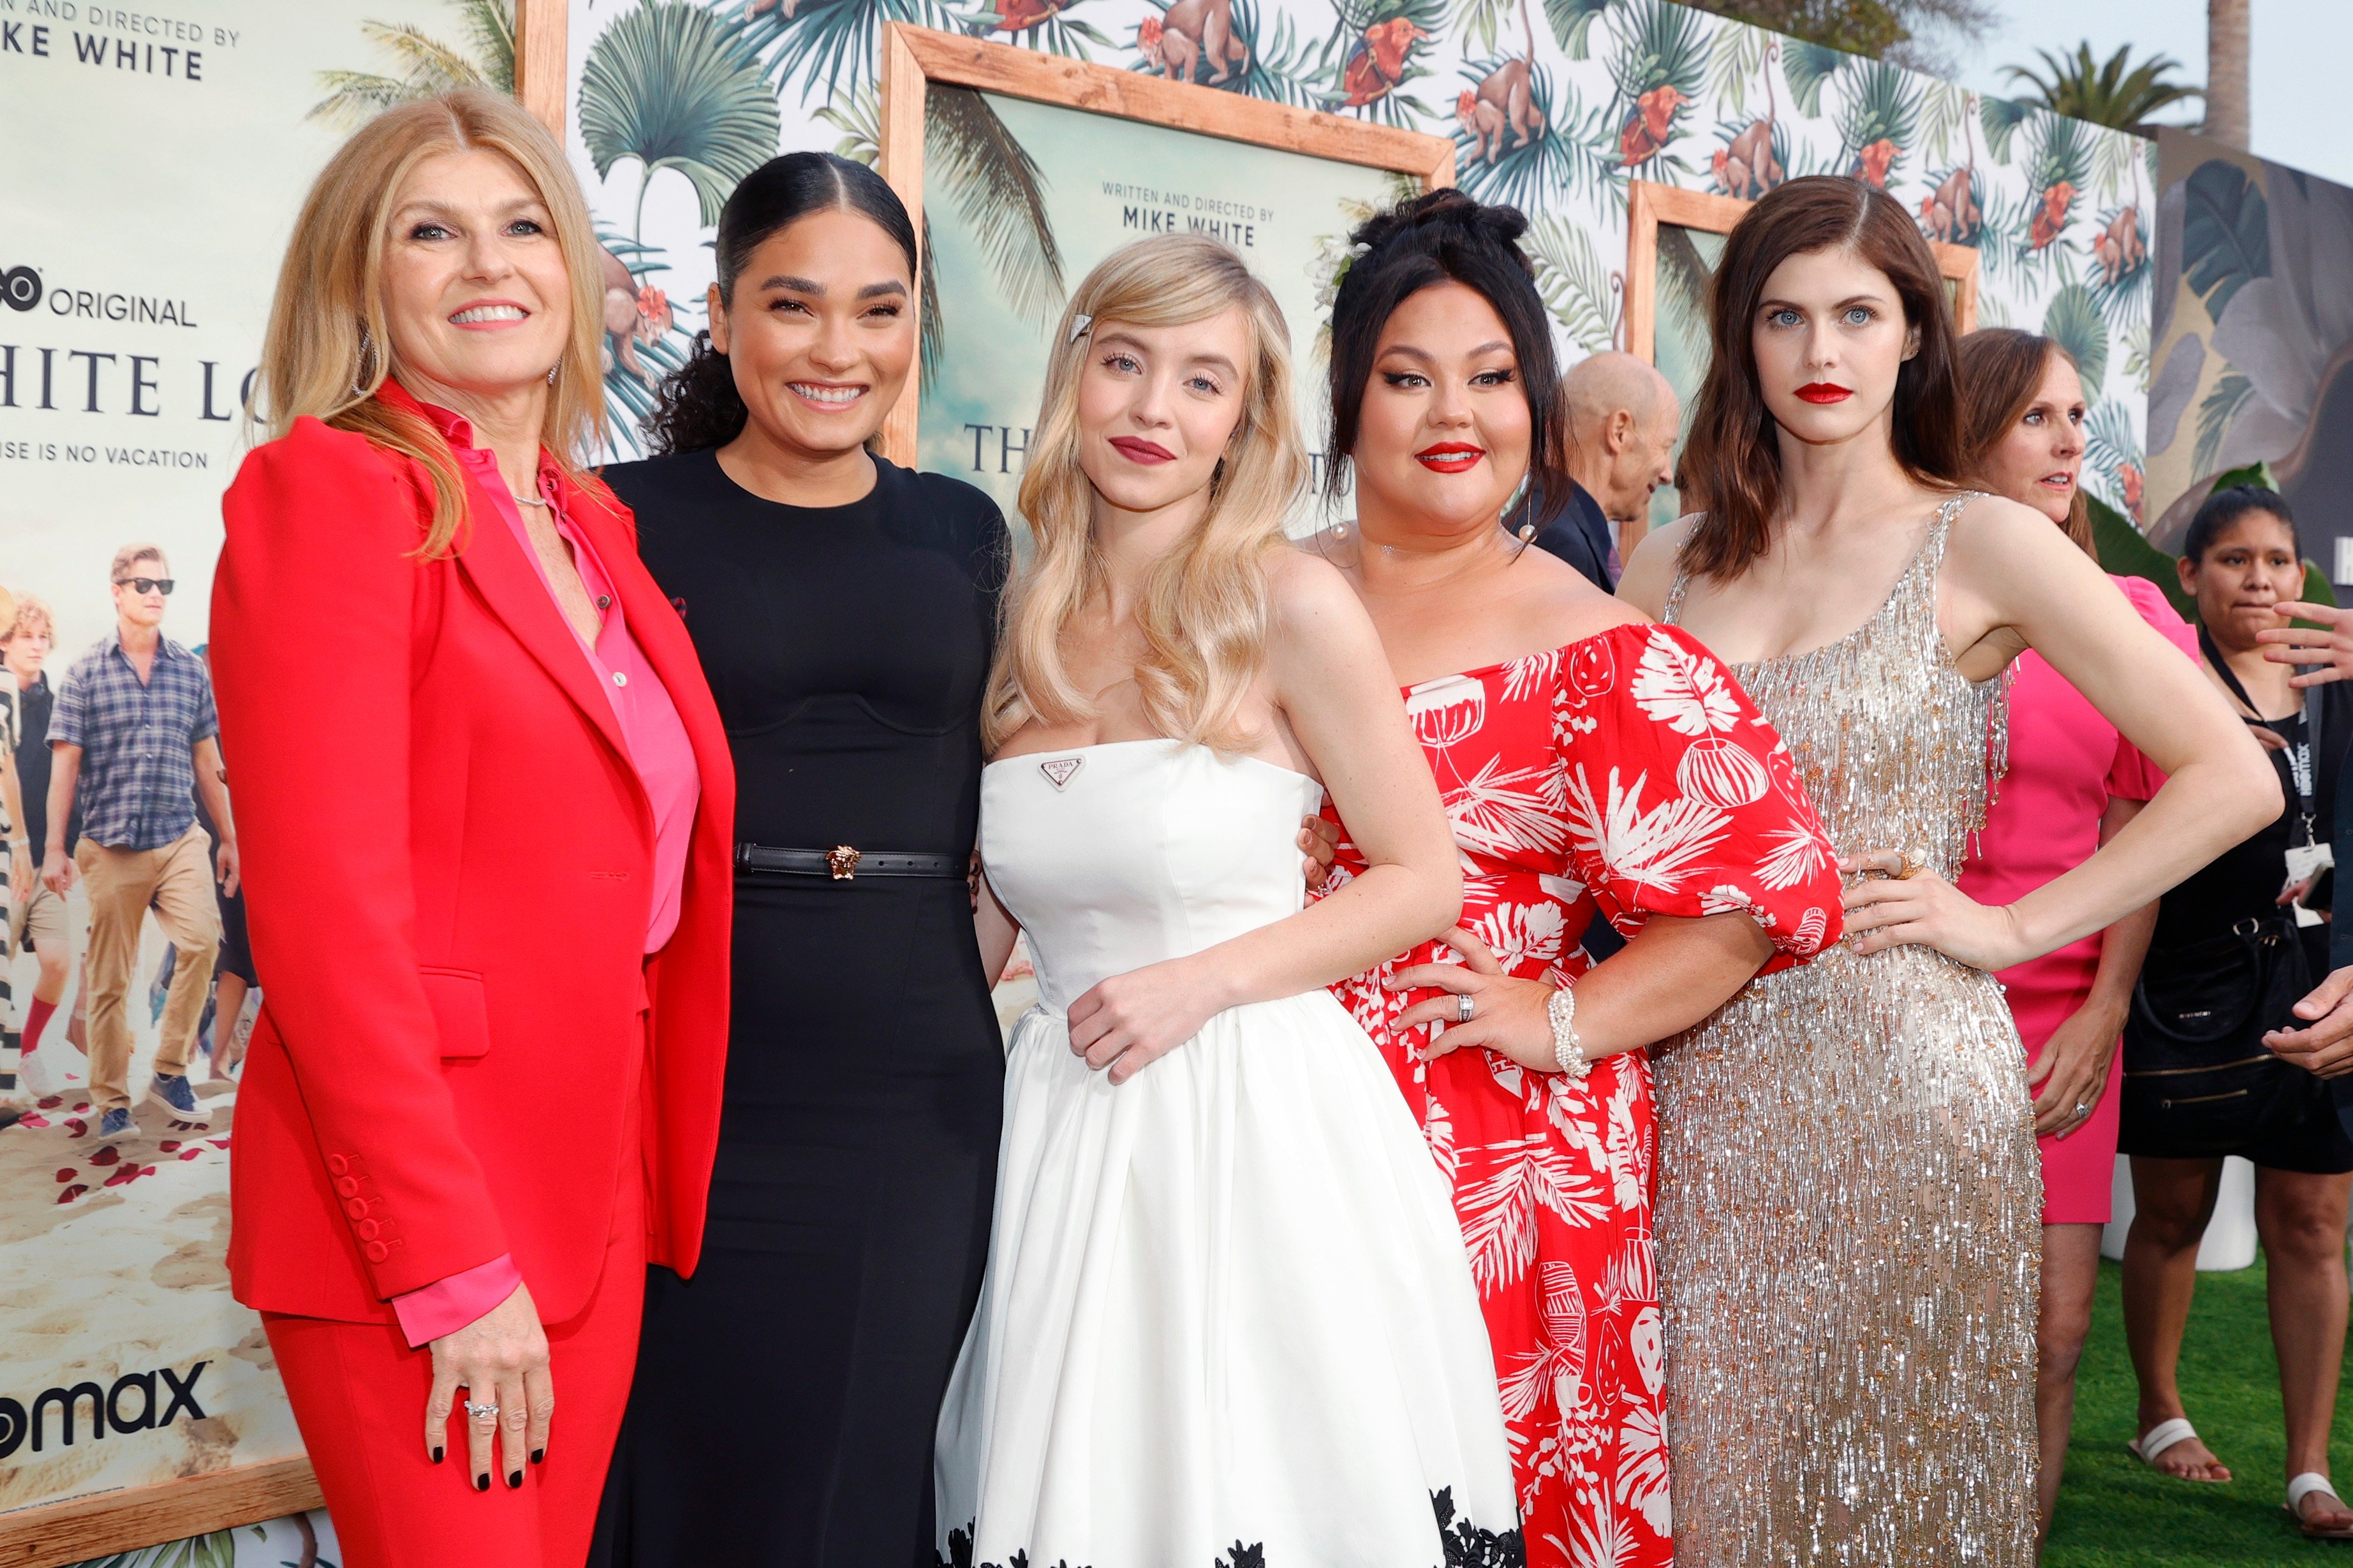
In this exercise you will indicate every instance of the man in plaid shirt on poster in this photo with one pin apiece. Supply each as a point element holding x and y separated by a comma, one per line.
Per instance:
<point>134,735</point>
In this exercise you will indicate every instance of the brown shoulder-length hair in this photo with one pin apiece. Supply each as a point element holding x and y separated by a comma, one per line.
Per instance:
<point>326,350</point>
<point>2000,369</point>
<point>1732,464</point>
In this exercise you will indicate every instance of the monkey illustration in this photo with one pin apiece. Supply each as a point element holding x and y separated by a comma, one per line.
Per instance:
<point>1505,97</point>
<point>1747,167</point>
<point>1950,213</point>
<point>1649,126</point>
<point>1189,31</point>
<point>632,315</point>
<point>1873,162</point>
<point>1377,65</point>
<point>2052,217</point>
<point>1017,15</point>
<point>2119,250</point>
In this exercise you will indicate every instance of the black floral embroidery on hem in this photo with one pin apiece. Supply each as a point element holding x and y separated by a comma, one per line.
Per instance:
<point>1466,1545</point>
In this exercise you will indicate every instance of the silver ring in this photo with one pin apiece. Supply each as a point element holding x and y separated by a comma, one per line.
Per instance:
<point>2082,1109</point>
<point>1465,1007</point>
<point>481,1412</point>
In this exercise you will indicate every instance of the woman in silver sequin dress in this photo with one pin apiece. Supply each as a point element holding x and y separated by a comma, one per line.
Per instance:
<point>1849,1208</point>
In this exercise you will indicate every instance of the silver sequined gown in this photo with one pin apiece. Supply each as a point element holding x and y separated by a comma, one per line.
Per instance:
<point>1849,1205</point>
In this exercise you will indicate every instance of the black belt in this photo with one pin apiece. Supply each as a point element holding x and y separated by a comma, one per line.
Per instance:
<point>843,864</point>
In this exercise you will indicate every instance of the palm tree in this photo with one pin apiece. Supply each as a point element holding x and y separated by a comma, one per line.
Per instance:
<point>2106,94</point>
<point>423,64</point>
<point>670,85</point>
<point>2226,71</point>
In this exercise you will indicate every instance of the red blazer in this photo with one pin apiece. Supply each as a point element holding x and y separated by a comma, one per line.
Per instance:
<point>449,857</point>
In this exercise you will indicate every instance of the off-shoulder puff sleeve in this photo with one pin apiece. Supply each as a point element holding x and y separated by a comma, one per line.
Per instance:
<point>1681,798</point>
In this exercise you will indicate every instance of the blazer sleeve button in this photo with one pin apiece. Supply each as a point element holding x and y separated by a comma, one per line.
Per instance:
<point>377,1252</point>
<point>338,1164</point>
<point>347,1186</point>
<point>356,1207</point>
<point>368,1228</point>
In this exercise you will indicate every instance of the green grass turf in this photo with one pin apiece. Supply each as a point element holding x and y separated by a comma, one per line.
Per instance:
<point>2115,1512</point>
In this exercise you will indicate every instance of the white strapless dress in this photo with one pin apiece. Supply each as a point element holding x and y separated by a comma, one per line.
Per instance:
<point>1228,1319</point>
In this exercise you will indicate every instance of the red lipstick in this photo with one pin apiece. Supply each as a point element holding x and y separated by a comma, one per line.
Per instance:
<point>1451,456</point>
<point>1136,449</point>
<point>1825,392</point>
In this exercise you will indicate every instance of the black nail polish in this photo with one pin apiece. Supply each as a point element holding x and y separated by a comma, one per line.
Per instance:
<point>437,1456</point>
<point>537,1454</point>
<point>514,1478</point>
<point>481,1483</point>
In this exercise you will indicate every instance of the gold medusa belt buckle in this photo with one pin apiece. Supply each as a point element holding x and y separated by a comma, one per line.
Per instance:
<point>843,861</point>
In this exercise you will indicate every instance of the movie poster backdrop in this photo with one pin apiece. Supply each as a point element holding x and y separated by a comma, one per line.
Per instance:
<point>155,155</point>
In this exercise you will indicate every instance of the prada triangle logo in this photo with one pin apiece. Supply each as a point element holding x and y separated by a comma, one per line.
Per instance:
<point>1060,771</point>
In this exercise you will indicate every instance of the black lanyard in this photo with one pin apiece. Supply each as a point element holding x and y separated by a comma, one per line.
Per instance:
<point>2301,758</point>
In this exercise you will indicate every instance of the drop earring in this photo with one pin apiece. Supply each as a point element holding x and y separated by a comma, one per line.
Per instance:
<point>552,370</point>
<point>1339,530</point>
<point>1527,532</point>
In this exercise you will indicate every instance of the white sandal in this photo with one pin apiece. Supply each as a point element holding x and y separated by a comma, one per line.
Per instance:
<point>2303,1487</point>
<point>2164,1435</point>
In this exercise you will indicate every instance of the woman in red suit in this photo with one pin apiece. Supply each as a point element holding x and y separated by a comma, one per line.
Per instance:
<point>491,805</point>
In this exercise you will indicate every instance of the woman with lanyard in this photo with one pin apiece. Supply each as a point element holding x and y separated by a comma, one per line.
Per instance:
<point>2236,946</point>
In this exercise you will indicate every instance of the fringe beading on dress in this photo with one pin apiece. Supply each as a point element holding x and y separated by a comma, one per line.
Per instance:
<point>1849,1202</point>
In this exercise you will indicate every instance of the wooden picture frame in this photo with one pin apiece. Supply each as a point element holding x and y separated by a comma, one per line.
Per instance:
<point>1648,205</point>
<point>915,58</point>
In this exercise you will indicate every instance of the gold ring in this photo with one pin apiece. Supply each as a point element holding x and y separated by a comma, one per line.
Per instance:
<point>1910,864</point>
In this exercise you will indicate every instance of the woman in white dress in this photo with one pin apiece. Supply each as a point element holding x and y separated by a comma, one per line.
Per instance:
<point>1228,1319</point>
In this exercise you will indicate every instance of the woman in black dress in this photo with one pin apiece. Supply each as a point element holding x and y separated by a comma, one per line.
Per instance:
<point>844,609</point>
<point>2230,956</point>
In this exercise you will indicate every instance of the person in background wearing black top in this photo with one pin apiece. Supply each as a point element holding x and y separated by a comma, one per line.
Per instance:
<point>2235,945</point>
<point>1624,418</point>
<point>844,609</point>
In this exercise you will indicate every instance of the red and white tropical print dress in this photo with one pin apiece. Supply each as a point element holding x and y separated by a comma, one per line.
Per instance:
<point>1628,772</point>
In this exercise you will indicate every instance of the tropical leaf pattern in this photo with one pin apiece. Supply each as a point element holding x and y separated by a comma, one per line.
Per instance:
<point>669,86</point>
<point>1614,91</point>
<point>1553,1177</point>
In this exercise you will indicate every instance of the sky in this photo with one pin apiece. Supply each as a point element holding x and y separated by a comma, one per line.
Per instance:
<point>2303,115</point>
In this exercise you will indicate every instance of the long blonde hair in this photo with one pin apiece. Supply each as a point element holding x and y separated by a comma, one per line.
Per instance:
<point>1203,612</point>
<point>327,352</point>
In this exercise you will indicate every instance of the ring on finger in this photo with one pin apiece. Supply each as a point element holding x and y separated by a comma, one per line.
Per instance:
<point>481,1412</point>
<point>1466,1007</point>
<point>1910,864</point>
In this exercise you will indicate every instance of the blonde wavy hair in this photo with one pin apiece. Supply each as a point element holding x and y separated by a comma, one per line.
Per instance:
<point>327,349</point>
<point>1203,610</point>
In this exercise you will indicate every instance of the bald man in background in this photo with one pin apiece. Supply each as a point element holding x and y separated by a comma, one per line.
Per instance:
<point>1623,420</point>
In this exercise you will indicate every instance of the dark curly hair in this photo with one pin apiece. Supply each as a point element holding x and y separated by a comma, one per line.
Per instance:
<point>1445,236</point>
<point>697,406</point>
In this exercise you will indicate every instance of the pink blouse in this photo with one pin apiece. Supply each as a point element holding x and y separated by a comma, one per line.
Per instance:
<point>664,759</point>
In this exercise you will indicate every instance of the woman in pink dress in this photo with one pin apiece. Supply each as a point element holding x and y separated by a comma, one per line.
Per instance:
<point>2073,785</point>
<point>1589,760</point>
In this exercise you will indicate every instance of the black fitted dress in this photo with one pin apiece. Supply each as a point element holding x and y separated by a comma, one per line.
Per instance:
<point>787,1395</point>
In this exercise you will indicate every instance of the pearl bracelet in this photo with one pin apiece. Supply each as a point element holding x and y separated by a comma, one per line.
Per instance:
<point>1567,1051</point>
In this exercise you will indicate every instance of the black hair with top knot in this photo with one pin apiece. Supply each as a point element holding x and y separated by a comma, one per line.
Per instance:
<point>697,406</point>
<point>1446,237</point>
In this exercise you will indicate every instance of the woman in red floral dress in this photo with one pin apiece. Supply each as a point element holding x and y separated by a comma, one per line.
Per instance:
<point>1589,760</point>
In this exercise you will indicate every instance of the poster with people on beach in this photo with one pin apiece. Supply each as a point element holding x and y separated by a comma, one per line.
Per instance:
<point>136,273</point>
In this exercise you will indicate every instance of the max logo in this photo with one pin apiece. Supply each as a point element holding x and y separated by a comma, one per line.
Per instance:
<point>21,286</point>
<point>106,1406</point>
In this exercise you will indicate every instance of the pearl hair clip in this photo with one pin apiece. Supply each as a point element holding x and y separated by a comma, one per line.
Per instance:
<point>1080,324</point>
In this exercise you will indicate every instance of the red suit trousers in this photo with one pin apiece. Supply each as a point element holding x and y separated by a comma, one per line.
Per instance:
<point>359,1392</point>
